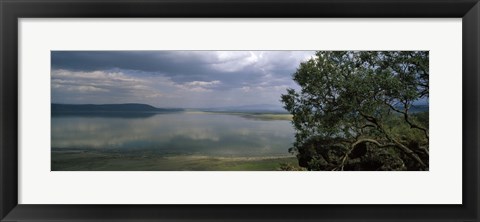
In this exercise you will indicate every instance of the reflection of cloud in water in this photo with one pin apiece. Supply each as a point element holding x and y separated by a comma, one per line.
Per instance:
<point>180,132</point>
<point>197,134</point>
<point>243,131</point>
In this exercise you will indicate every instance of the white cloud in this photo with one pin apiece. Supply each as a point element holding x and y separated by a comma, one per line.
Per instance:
<point>231,61</point>
<point>177,79</point>
<point>246,88</point>
<point>100,86</point>
<point>86,89</point>
<point>199,86</point>
<point>202,83</point>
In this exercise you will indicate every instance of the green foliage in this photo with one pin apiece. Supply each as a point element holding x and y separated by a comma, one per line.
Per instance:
<point>290,167</point>
<point>358,102</point>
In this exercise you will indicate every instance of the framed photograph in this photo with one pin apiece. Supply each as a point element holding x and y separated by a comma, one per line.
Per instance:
<point>239,110</point>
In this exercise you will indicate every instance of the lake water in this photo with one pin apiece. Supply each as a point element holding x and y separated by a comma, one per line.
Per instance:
<point>179,133</point>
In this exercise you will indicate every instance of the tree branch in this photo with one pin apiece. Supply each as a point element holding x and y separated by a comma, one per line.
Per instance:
<point>402,147</point>
<point>405,149</point>
<point>364,140</point>
<point>407,119</point>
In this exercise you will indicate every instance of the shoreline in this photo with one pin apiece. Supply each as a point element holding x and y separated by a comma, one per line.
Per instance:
<point>239,158</point>
<point>173,156</point>
<point>249,115</point>
<point>98,161</point>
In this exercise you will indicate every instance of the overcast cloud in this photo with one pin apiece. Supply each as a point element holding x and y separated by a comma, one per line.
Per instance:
<point>185,79</point>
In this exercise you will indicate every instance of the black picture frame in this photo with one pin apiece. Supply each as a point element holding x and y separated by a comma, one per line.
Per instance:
<point>12,10</point>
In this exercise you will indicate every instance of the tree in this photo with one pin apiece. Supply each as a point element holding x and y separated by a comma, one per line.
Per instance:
<point>354,111</point>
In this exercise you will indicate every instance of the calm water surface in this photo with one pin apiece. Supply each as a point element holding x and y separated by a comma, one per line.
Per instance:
<point>182,133</point>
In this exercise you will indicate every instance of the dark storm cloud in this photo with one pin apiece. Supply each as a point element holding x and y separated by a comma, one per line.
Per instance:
<point>167,78</point>
<point>183,66</point>
<point>166,62</point>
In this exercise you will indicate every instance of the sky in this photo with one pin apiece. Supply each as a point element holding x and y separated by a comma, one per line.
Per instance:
<point>183,79</point>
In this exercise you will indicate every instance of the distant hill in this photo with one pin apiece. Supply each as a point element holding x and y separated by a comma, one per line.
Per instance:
<point>419,108</point>
<point>416,108</point>
<point>128,107</point>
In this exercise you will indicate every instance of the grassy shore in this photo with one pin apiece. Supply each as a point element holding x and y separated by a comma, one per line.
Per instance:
<point>267,116</point>
<point>257,116</point>
<point>100,161</point>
